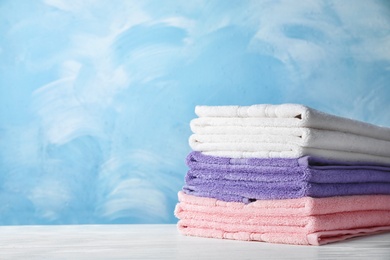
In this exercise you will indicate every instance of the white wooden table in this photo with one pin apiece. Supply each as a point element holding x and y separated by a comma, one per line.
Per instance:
<point>164,242</point>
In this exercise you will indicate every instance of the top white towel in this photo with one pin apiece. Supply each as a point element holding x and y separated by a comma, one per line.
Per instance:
<point>286,131</point>
<point>289,115</point>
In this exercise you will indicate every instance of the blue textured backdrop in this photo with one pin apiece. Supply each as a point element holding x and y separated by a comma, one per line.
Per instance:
<point>96,96</point>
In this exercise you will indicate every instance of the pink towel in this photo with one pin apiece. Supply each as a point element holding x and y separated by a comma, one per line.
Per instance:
<point>316,239</point>
<point>310,221</point>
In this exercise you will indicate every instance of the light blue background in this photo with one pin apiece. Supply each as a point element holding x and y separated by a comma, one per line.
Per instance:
<point>96,96</point>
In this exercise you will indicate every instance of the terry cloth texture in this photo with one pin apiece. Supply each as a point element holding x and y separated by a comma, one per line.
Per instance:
<point>246,180</point>
<point>305,221</point>
<point>286,131</point>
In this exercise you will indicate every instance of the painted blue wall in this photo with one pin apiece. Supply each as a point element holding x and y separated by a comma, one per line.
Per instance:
<point>96,96</point>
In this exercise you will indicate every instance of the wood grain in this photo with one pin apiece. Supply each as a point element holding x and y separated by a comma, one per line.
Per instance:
<point>164,242</point>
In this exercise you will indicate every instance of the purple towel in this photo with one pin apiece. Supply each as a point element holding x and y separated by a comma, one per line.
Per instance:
<point>248,192</point>
<point>251,179</point>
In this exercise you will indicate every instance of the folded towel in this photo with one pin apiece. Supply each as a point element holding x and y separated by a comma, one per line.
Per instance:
<point>320,143</point>
<point>247,180</point>
<point>297,221</point>
<point>248,192</point>
<point>294,115</point>
<point>307,168</point>
<point>286,131</point>
<point>323,140</point>
<point>315,238</point>
<point>306,206</point>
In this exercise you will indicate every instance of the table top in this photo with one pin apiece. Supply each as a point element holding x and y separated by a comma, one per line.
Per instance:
<point>164,242</point>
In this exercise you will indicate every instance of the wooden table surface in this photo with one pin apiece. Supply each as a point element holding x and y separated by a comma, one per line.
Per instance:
<point>164,242</point>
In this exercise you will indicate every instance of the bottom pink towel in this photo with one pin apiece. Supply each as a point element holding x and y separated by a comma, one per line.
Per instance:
<point>305,221</point>
<point>316,238</point>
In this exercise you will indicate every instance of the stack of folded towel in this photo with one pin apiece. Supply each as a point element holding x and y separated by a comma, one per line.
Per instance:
<point>284,174</point>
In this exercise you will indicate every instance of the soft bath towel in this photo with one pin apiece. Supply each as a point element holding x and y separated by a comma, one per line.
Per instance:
<point>306,206</point>
<point>247,180</point>
<point>320,143</point>
<point>251,191</point>
<point>296,221</point>
<point>293,115</point>
<point>316,238</point>
<point>280,131</point>
<point>307,168</point>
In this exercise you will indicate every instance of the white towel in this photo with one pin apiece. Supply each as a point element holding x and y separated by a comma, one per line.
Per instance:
<point>286,115</point>
<point>286,131</point>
